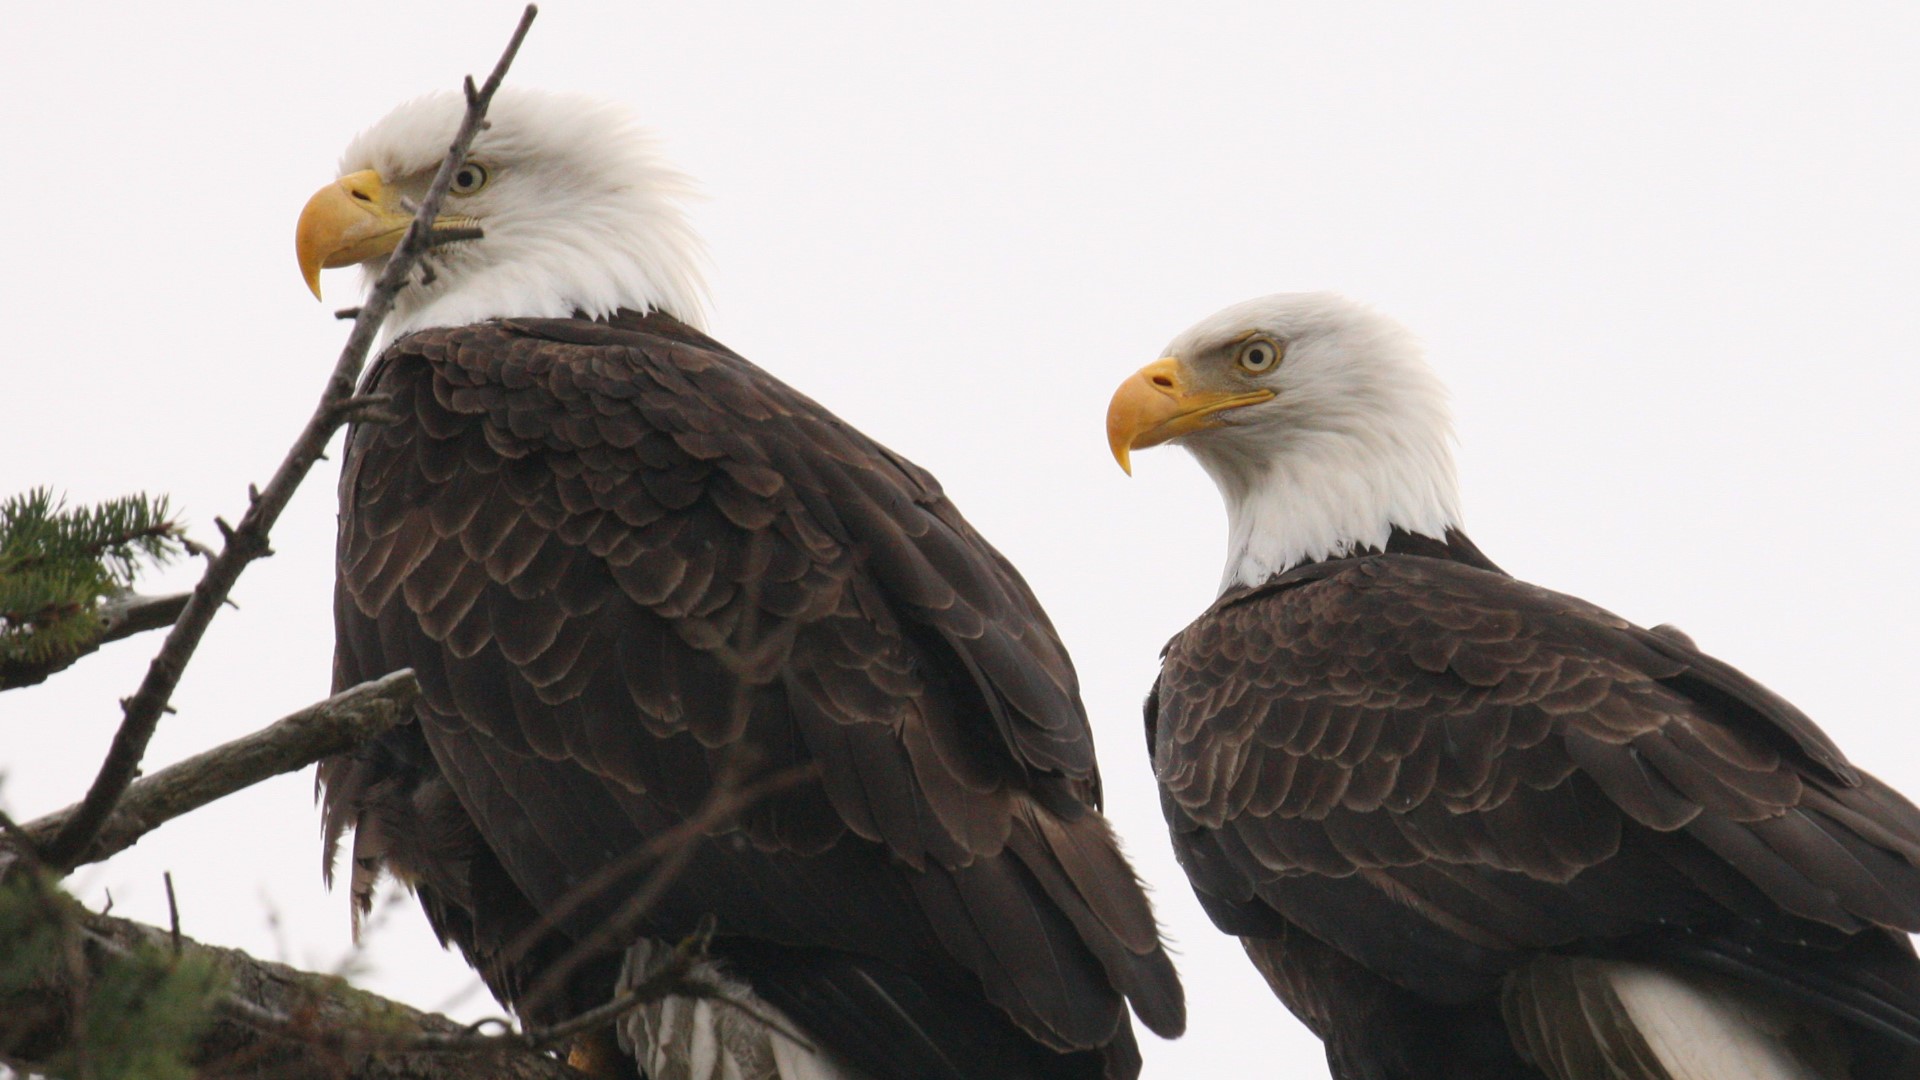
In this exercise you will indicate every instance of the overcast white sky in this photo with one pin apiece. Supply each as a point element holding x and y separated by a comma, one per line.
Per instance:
<point>1666,255</point>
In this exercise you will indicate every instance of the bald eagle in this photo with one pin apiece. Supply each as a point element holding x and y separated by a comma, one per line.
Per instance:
<point>1465,826</point>
<point>626,563</point>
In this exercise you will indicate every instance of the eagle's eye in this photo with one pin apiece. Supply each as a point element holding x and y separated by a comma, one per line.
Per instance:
<point>1258,355</point>
<point>471,178</point>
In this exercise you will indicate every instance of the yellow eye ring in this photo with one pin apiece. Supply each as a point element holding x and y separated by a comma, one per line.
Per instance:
<point>1258,356</point>
<point>469,178</point>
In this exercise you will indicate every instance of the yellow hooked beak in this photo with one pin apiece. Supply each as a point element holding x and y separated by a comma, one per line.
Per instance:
<point>349,221</point>
<point>1155,404</point>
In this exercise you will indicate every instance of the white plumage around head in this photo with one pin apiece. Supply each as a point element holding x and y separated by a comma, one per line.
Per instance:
<point>579,211</point>
<point>1348,439</point>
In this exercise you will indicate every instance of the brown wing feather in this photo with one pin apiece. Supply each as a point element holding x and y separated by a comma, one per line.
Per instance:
<point>1436,770</point>
<point>617,554</point>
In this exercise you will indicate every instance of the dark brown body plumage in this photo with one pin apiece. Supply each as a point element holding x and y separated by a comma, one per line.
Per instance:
<point>1401,777</point>
<point>617,554</point>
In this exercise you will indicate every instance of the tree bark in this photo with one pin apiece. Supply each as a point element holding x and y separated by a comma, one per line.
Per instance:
<point>328,727</point>
<point>277,1022</point>
<point>120,617</point>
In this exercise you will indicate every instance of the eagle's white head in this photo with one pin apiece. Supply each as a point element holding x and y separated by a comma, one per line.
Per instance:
<point>577,209</point>
<point>1317,417</point>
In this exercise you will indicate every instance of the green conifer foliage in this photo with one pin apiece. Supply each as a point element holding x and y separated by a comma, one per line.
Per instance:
<point>57,564</point>
<point>136,1014</point>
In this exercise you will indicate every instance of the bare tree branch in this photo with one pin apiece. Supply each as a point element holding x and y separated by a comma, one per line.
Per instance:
<point>248,540</point>
<point>328,727</point>
<point>122,616</point>
<point>131,613</point>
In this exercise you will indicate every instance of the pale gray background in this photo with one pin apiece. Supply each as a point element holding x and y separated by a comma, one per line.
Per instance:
<point>1666,259</point>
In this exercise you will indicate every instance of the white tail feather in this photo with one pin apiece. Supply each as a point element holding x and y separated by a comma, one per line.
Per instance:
<point>1579,1018</point>
<point>1703,1030</point>
<point>685,1038</point>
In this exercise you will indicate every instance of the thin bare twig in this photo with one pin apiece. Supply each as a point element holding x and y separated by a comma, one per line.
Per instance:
<point>173,911</point>
<point>674,978</point>
<point>248,541</point>
<point>438,237</point>
<point>292,742</point>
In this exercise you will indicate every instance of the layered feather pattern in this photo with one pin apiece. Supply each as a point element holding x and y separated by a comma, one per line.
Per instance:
<point>1440,772</point>
<point>624,561</point>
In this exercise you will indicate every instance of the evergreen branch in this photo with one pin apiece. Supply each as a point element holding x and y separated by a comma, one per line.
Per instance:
<point>37,530</point>
<point>56,566</point>
<point>155,541</point>
<point>131,1012</point>
<point>119,617</point>
<point>42,635</point>
<point>269,1020</point>
<point>248,541</point>
<point>328,727</point>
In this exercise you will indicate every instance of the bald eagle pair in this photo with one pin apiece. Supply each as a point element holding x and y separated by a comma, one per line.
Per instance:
<point>1465,827</point>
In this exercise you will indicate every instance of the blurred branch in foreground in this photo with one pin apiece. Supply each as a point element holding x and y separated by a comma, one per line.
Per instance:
<point>220,1012</point>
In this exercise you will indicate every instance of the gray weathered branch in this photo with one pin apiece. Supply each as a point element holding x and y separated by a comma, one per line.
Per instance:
<point>294,742</point>
<point>248,540</point>
<point>120,616</point>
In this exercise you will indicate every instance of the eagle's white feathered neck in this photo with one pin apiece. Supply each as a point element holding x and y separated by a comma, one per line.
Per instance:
<point>1357,442</point>
<point>579,214</point>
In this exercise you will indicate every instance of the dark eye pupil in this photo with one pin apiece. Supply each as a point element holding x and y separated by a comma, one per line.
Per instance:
<point>467,178</point>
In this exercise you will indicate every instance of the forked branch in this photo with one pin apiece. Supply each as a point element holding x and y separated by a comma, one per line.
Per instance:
<point>247,541</point>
